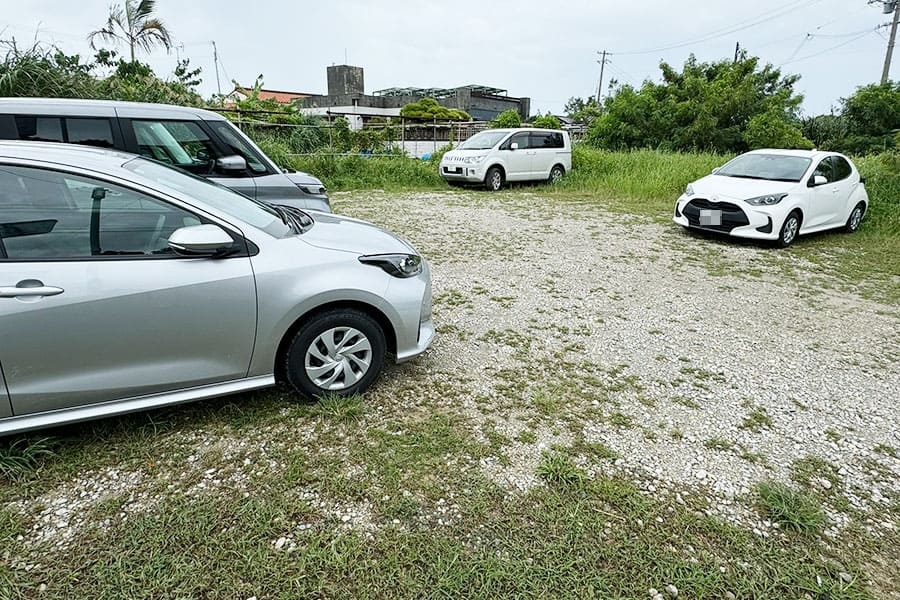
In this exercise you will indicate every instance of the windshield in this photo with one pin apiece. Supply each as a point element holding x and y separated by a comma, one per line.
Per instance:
<point>221,198</point>
<point>484,140</point>
<point>773,167</point>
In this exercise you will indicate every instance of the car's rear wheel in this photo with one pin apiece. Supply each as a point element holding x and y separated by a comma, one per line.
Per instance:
<point>855,218</point>
<point>556,173</point>
<point>493,181</point>
<point>340,352</point>
<point>789,230</point>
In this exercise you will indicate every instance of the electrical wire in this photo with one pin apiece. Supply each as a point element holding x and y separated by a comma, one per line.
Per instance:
<point>747,24</point>
<point>829,49</point>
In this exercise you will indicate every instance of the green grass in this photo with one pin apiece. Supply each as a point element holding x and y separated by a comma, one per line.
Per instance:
<point>790,508</point>
<point>21,456</point>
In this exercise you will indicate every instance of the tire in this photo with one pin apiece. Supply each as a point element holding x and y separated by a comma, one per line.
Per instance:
<point>556,173</point>
<point>855,218</point>
<point>493,180</point>
<point>308,356</point>
<point>790,229</point>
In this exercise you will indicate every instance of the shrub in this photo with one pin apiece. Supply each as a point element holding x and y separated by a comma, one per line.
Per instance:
<point>547,121</point>
<point>507,119</point>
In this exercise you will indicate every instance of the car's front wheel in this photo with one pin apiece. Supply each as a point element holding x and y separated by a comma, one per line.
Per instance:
<point>789,230</point>
<point>493,181</point>
<point>855,218</point>
<point>339,351</point>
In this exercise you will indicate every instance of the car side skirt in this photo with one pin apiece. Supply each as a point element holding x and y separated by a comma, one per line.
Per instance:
<point>120,407</point>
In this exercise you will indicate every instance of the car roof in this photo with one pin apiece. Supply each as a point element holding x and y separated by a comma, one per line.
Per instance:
<point>517,129</point>
<point>81,107</point>
<point>93,161</point>
<point>811,154</point>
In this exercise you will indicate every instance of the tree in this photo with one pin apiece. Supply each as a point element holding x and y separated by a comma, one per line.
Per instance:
<point>547,121</point>
<point>705,106</point>
<point>507,119</point>
<point>135,26</point>
<point>582,110</point>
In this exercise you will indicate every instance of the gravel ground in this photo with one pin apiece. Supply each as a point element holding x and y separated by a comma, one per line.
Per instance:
<point>692,366</point>
<point>701,364</point>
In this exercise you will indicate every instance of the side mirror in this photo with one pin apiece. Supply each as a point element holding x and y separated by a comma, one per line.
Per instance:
<point>817,180</point>
<point>716,170</point>
<point>231,164</point>
<point>514,146</point>
<point>200,240</point>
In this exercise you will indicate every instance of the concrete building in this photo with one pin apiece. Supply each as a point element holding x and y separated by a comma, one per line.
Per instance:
<point>346,97</point>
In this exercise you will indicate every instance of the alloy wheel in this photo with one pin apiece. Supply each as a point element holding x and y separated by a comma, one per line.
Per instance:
<point>855,218</point>
<point>790,230</point>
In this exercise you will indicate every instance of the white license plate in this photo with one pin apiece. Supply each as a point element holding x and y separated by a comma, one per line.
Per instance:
<point>710,218</point>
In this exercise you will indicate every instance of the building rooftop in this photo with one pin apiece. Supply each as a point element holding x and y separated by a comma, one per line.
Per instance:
<point>276,95</point>
<point>439,92</point>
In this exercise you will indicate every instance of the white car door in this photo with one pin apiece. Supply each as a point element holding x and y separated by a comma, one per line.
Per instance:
<point>94,307</point>
<point>846,184</point>
<point>518,161</point>
<point>543,153</point>
<point>825,201</point>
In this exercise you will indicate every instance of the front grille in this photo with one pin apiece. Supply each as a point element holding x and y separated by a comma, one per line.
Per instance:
<point>732,214</point>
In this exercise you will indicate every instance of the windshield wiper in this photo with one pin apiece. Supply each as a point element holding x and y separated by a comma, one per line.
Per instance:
<point>286,218</point>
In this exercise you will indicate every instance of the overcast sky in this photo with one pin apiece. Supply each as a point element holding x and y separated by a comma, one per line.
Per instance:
<point>545,50</point>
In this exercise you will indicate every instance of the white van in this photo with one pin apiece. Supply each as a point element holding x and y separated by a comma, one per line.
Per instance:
<point>496,156</point>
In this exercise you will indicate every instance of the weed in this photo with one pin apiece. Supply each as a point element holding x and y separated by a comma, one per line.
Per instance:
<point>557,468</point>
<point>790,508</point>
<point>23,455</point>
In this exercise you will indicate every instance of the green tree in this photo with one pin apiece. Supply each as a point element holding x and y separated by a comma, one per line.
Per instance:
<point>507,119</point>
<point>771,130</point>
<point>582,110</point>
<point>547,121</point>
<point>705,106</point>
<point>135,26</point>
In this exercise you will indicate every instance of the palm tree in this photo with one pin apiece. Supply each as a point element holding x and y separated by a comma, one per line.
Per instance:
<point>135,26</point>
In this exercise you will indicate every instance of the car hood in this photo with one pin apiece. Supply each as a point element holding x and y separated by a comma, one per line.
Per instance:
<point>335,232</point>
<point>301,178</point>
<point>738,188</point>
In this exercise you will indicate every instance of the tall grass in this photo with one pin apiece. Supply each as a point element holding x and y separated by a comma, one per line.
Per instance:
<point>357,172</point>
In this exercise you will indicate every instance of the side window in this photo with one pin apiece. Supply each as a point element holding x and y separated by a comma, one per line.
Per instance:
<point>238,145</point>
<point>520,138</point>
<point>556,140</point>
<point>90,132</point>
<point>180,143</point>
<point>539,140</point>
<point>40,129</point>
<point>842,169</point>
<point>49,215</point>
<point>825,170</point>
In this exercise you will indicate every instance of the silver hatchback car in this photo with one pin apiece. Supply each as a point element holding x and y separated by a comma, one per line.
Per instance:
<point>126,285</point>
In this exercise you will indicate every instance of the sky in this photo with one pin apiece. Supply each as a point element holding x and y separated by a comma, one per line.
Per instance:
<point>547,51</point>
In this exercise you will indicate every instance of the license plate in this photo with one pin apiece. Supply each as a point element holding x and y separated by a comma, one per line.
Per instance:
<point>710,218</point>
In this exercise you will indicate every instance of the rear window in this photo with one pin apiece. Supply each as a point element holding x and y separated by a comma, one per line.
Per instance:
<point>40,129</point>
<point>842,169</point>
<point>90,132</point>
<point>74,130</point>
<point>547,140</point>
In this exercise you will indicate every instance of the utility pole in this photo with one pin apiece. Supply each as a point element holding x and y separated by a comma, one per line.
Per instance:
<point>216,62</point>
<point>737,51</point>
<point>602,62</point>
<point>886,73</point>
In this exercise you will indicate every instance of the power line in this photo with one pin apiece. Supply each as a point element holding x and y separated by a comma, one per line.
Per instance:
<point>829,49</point>
<point>747,24</point>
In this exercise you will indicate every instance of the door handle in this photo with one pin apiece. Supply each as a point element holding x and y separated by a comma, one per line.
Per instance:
<point>29,288</point>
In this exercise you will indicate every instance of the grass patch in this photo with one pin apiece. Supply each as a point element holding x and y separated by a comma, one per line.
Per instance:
<point>756,420</point>
<point>21,456</point>
<point>790,508</point>
<point>339,408</point>
<point>557,468</point>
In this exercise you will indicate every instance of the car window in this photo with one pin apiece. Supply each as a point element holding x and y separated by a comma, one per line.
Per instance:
<point>539,140</point>
<point>825,170</point>
<point>239,146</point>
<point>180,143</point>
<point>50,215</point>
<point>40,129</point>
<point>842,168</point>
<point>90,132</point>
<point>520,138</point>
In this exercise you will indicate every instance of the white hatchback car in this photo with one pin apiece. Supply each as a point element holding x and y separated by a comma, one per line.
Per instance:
<point>776,195</point>
<point>496,156</point>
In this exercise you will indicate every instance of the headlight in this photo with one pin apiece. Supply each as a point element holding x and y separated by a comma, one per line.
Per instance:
<point>766,200</point>
<point>313,190</point>
<point>398,265</point>
<point>689,190</point>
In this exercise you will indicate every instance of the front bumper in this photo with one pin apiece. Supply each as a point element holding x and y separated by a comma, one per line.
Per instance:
<point>731,217</point>
<point>466,173</point>
<point>412,300</point>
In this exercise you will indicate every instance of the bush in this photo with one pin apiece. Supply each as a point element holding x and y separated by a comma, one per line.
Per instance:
<point>429,108</point>
<point>547,121</point>
<point>772,130</point>
<point>507,119</point>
